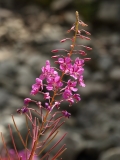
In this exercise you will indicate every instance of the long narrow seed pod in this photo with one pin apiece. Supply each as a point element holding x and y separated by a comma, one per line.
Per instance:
<point>19,133</point>
<point>54,146</point>
<point>48,143</point>
<point>58,152</point>
<point>52,132</point>
<point>28,125</point>
<point>13,142</point>
<point>4,144</point>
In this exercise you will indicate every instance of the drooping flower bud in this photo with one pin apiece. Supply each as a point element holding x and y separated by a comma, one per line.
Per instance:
<point>26,101</point>
<point>66,114</point>
<point>54,51</point>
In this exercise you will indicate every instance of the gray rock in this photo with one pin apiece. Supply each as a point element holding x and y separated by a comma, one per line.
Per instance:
<point>98,76</point>
<point>59,4</point>
<point>111,154</point>
<point>109,11</point>
<point>7,3</point>
<point>25,76</point>
<point>4,13</point>
<point>88,113</point>
<point>92,88</point>
<point>114,73</point>
<point>15,30</point>
<point>37,61</point>
<point>15,103</point>
<point>105,62</point>
<point>51,32</point>
<point>4,96</point>
<point>23,91</point>
<point>69,17</point>
<point>8,67</point>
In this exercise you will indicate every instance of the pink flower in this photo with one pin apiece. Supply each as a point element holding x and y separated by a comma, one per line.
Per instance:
<point>53,83</point>
<point>77,97</point>
<point>71,85</point>
<point>79,61</point>
<point>81,81</point>
<point>76,71</point>
<point>47,71</point>
<point>71,101</point>
<point>67,94</point>
<point>35,89</point>
<point>46,95</point>
<point>57,104</point>
<point>65,64</point>
<point>37,86</point>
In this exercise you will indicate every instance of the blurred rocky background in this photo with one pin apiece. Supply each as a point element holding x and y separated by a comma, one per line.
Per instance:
<point>29,30</point>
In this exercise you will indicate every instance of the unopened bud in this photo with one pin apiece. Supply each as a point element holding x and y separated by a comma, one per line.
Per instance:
<point>87,38</point>
<point>72,27</point>
<point>26,101</point>
<point>55,56</point>
<point>87,59</point>
<point>68,31</point>
<point>88,48</point>
<point>83,24</point>
<point>56,62</point>
<point>68,54</point>
<point>63,40</point>
<point>88,33</point>
<point>83,53</point>
<point>82,36</point>
<point>55,51</point>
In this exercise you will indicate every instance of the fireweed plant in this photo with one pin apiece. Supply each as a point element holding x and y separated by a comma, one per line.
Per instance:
<point>43,123</point>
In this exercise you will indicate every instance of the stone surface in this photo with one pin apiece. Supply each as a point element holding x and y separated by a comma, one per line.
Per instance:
<point>111,154</point>
<point>109,11</point>
<point>115,73</point>
<point>60,4</point>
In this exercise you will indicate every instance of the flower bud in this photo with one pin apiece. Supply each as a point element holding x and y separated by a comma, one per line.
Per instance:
<point>63,40</point>
<point>87,59</point>
<point>55,56</point>
<point>88,33</point>
<point>88,48</point>
<point>83,53</point>
<point>66,114</point>
<point>27,100</point>
<point>55,51</point>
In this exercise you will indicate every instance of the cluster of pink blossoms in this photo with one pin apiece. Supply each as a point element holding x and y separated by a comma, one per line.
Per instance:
<point>52,79</point>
